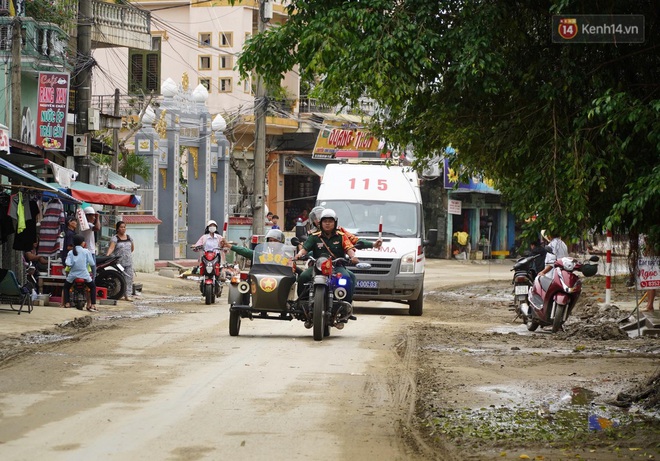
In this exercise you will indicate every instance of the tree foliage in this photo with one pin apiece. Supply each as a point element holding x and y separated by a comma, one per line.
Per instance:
<point>564,130</point>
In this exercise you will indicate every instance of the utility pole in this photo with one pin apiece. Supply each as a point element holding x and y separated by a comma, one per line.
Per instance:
<point>258,215</point>
<point>16,46</point>
<point>83,82</point>
<point>115,136</point>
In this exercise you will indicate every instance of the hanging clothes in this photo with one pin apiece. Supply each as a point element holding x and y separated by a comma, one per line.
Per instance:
<point>24,240</point>
<point>51,227</point>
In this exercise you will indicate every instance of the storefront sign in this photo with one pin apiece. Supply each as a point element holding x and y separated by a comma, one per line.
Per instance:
<point>4,139</point>
<point>53,105</point>
<point>342,140</point>
<point>476,184</point>
<point>454,207</point>
<point>648,273</point>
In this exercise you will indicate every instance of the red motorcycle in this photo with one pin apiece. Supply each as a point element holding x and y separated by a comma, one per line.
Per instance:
<point>209,268</point>
<point>553,295</point>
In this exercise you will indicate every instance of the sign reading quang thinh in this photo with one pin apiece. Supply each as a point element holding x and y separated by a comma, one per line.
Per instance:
<point>53,105</point>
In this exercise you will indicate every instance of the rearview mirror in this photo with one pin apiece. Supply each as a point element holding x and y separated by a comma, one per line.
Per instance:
<point>431,237</point>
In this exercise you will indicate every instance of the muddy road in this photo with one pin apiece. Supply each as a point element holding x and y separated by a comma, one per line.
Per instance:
<point>162,379</point>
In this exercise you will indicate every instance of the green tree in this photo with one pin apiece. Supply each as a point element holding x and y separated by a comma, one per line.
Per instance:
<point>563,129</point>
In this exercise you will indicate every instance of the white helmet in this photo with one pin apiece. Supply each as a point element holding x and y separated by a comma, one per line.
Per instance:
<point>211,222</point>
<point>329,213</point>
<point>275,234</point>
<point>89,210</point>
<point>315,214</point>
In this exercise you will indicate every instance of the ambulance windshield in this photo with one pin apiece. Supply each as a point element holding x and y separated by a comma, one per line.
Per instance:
<point>363,217</point>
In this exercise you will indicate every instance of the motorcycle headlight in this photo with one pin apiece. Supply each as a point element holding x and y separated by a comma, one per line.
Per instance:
<point>324,266</point>
<point>408,263</point>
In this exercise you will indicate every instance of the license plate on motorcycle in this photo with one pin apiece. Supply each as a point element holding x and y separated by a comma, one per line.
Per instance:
<point>522,289</point>
<point>120,267</point>
<point>367,284</point>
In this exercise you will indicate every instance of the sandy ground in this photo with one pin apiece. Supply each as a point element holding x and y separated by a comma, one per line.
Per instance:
<point>161,378</point>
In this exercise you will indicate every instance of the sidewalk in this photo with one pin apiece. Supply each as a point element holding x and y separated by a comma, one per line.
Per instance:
<point>46,317</point>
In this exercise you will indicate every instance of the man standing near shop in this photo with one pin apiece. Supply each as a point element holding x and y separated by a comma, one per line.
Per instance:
<point>90,234</point>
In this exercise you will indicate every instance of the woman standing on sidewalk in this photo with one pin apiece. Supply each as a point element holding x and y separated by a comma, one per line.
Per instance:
<point>122,245</point>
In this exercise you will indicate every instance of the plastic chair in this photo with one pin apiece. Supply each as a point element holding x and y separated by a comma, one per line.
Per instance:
<point>11,292</point>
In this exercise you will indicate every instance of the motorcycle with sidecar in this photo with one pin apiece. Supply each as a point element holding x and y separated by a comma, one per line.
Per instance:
<point>268,291</point>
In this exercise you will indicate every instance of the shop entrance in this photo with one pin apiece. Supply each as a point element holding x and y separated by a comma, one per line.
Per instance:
<point>299,193</point>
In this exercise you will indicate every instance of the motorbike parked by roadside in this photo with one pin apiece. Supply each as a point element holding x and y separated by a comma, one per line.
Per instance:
<point>110,275</point>
<point>552,297</point>
<point>524,273</point>
<point>268,291</point>
<point>209,268</point>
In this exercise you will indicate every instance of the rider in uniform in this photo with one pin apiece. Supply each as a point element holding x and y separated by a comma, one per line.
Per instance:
<point>315,219</point>
<point>273,235</point>
<point>329,241</point>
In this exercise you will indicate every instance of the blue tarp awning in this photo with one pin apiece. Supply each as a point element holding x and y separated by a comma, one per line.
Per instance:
<point>21,177</point>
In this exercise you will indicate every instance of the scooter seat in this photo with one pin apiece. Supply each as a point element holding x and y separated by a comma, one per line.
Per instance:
<point>546,281</point>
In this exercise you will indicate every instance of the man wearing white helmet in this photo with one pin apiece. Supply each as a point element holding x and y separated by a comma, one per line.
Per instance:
<point>315,220</point>
<point>332,242</point>
<point>90,234</point>
<point>273,235</point>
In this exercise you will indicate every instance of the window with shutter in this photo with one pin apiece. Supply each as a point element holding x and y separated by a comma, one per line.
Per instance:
<point>144,69</point>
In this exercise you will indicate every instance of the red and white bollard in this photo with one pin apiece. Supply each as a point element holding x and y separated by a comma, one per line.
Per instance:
<point>608,269</point>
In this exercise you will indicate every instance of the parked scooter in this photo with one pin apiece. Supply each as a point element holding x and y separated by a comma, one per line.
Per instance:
<point>553,295</point>
<point>523,279</point>
<point>110,275</point>
<point>209,268</point>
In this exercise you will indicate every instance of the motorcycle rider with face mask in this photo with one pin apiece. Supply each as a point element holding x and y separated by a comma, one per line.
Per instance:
<point>211,240</point>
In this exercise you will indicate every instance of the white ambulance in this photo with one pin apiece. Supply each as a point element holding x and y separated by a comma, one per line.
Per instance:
<point>366,195</point>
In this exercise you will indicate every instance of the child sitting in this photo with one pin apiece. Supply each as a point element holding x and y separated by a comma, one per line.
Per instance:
<point>78,263</point>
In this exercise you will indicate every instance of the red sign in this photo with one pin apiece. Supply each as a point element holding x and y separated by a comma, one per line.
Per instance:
<point>52,107</point>
<point>4,140</point>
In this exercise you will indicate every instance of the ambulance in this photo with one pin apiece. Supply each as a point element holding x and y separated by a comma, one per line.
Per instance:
<point>373,200</point>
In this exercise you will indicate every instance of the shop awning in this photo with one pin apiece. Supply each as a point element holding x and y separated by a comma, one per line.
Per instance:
<point>317,166</point>
<point>102,195</point>
<point>119,182</point>
<point>30,181</point>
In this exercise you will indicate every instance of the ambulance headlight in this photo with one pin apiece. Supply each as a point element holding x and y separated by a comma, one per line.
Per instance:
<point>408,263</point>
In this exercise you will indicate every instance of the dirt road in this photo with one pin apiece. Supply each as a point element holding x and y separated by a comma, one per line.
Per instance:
<point>164,380</point>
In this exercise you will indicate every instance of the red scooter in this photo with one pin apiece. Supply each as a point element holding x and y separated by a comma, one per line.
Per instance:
<point>209,268</point>
<point>553,295</point>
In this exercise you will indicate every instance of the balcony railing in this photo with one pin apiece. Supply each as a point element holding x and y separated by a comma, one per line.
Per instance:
<point>120,25</point>
<point>44,44</point>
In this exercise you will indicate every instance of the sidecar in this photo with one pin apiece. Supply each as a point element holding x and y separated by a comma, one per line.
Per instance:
<point>268,290</point>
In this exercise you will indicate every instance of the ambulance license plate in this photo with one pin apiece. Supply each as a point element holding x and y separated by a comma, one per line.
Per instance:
<point>367,284</point>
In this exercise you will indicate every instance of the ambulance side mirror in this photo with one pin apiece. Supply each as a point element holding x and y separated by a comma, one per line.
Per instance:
<point>431,237</point>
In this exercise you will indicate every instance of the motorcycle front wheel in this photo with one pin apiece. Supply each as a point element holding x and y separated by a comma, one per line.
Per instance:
<point>113,281</point>
<point>558,321</point>
<point>208,294</point>
<point>318,315</point>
